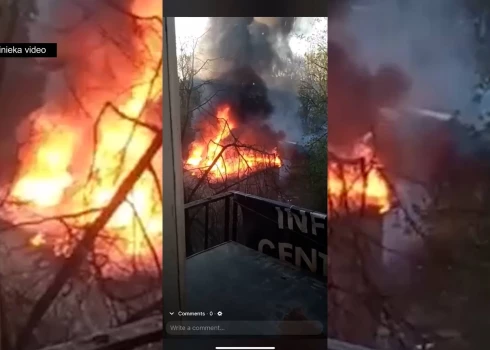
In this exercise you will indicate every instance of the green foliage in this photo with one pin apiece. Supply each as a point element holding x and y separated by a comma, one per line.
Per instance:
<point>317,173</point>
<point>312,92</point>
<point>313,96</point>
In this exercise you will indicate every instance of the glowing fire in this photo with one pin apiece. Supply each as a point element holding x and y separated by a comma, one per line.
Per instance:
<point>68,166</point>
<point>221,156</point>
<point>349,186</point>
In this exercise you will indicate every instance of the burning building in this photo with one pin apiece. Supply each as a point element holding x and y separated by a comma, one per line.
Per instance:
<point>385,152</point>
<point>359,192</point>
<point>51,180</point>
<point>358,197</point>
<point>229,147</point>
<point>235,136</point>
<point>367,158</point>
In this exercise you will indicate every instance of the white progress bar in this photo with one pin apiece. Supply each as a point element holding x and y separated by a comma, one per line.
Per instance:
<point>245,347</point>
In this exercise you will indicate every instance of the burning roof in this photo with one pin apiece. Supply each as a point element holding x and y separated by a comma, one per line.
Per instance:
<point>234,133</point>
<point>220,154</point>
<point>357,182</point>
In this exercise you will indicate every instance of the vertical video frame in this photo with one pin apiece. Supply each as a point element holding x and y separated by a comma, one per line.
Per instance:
<point>253,132</point>
<point>408,174</point>
<point>81,196</point>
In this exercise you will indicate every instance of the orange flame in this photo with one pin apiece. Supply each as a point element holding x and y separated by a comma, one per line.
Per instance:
<point>223,158</point>
<point>350,187</point>
<point>62,173</point>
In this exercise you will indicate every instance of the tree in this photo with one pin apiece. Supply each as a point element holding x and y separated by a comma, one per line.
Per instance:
<point>313,96</point>
<point>313,90</point>
<point>189,66</point>
<point>32,306</point>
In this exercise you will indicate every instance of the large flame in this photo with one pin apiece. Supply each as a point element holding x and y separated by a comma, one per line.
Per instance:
<point>352,185</point>
<point>221,156</point>
<point>68,166</point>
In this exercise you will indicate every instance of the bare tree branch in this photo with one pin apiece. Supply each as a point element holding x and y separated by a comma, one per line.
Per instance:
<point>84,247</point>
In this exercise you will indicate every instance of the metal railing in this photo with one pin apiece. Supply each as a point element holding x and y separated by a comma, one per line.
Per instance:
<point>204,230</point>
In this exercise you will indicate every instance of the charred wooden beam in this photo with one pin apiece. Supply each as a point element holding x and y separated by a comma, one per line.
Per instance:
<point>130,336</point>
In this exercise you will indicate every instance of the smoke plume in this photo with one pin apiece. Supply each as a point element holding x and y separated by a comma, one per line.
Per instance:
<point>356,95</point>
<point>259,43</point>
<point>429,47</point>
<point>249,52</point>
<point>433,42</point>
<point>98,57</point>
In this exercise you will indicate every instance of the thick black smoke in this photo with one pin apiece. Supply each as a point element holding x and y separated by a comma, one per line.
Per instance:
<point>433,43</point>
<point>118,46</point>
<point>249,50</point>
<point>259,43</point>
<point>358,92</point>
<point>424,148</point>
<point>356,95</point>
<point>246,93</point>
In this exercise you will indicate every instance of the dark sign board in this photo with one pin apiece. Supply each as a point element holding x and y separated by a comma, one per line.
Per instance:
<point>288,233</point>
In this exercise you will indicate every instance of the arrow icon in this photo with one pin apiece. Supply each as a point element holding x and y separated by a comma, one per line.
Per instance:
<point>171,313</point>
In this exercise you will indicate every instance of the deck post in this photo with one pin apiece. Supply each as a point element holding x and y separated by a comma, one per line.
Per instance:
<point>174,251</point>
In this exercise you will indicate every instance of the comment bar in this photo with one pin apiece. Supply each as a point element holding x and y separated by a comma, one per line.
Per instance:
<point>192,328</point>
<point>245,348</point>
